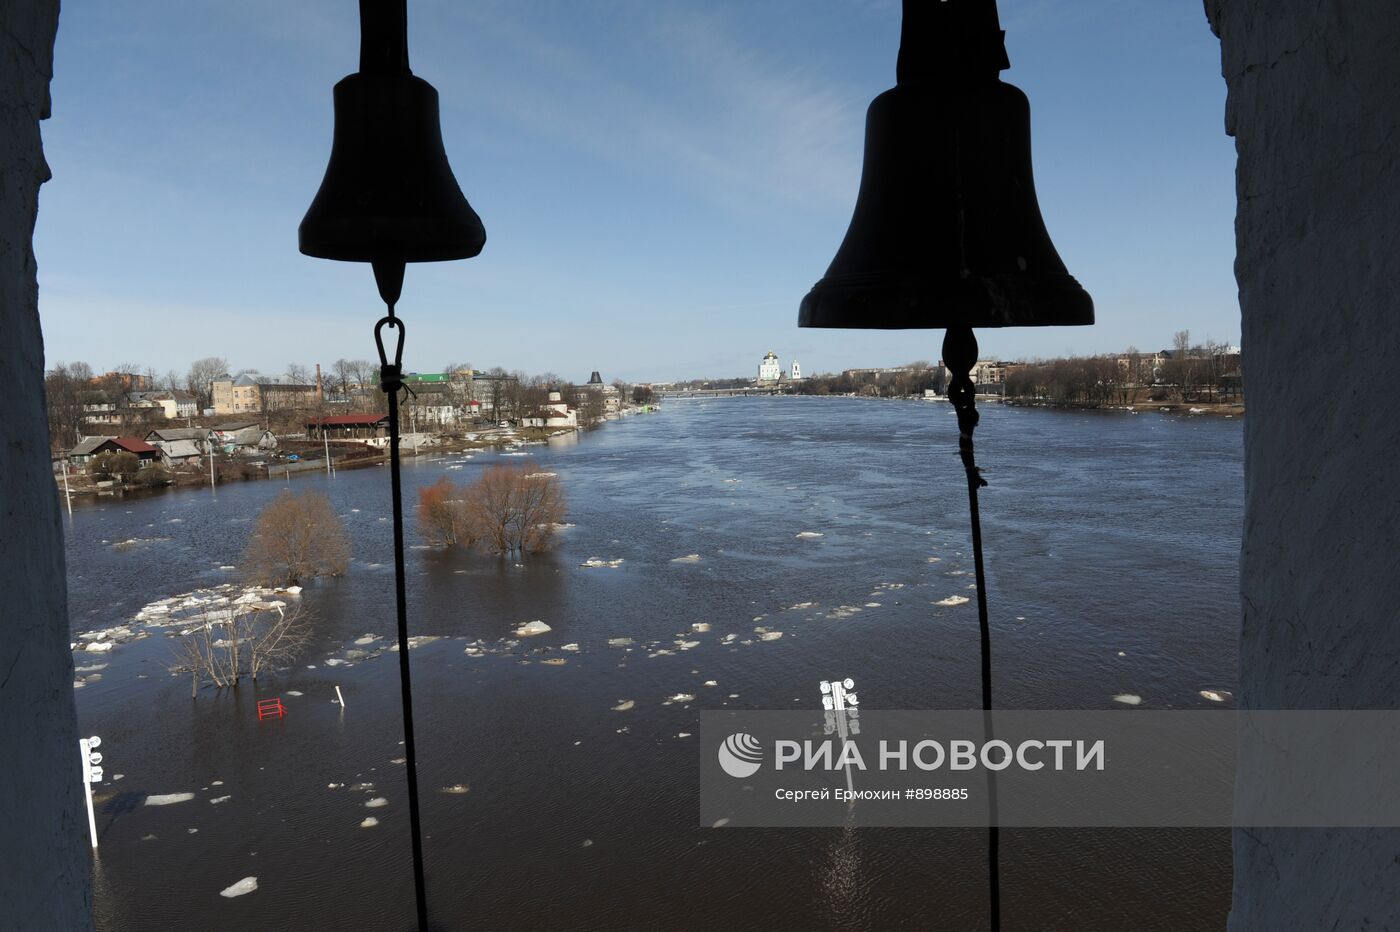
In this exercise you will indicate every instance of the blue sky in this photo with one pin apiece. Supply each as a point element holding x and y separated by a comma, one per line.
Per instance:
<point>661,181</point>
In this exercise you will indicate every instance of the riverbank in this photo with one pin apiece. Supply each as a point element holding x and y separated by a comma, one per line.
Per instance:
<point>296,456</point>
<point>1194,408</point>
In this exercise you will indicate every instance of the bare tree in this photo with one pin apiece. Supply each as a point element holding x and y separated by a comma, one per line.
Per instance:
<point>297,538</point>
<point>223,645</point>
<point>201,377</point>
<point>506,511</point>
<point>442,515</point>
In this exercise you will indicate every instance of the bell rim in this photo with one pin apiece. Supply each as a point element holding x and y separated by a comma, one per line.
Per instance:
<point>873,301</point>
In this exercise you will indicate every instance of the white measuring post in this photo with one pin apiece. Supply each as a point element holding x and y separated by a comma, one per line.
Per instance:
<point>840,704</point>
<point>91,774</point>
<point>340,697</point>
<point>67,495</point>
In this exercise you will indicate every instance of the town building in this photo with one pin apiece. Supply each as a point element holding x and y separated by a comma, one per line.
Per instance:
<point>348,427</point>
<point>555,413</point>
<point>242,437</point>
<point>253,392</point>
<point>163,437</point>
<point>131,381</point>
<point>92,447</point>
<point>796,371</point>
<point>612,396</point>
<point>770,371</point>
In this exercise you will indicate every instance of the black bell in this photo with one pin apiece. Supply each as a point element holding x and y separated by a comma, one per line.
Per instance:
<point>946,230</point>
<point>389,195</point>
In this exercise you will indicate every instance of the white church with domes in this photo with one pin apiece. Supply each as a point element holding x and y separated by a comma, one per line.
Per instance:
<point>770,371</point>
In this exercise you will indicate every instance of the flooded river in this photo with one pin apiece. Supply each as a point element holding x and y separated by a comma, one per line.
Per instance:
<point>1112,544</point>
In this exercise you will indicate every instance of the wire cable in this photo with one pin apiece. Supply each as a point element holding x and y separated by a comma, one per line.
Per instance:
<point>960,355</point>
<point>390,382</point>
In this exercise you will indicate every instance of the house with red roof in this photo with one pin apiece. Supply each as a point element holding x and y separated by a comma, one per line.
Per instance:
<point>90,447</point>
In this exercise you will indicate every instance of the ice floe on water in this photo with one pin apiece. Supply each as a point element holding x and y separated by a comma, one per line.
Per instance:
<point>376,803</point>
<point>680,697</point>
<point>246,885</point>
<point>595,562</point>
<point>1215,695</point>
<point>619,642</point>
<point>808,535</point>
<point>625,706</point>
<point>688,558</point>
<point>801,606</point>
<point>368,822</point>
<point>953,600</point>
<point>219,799</point>
<point>1128,699</point>
<point>168,799</point>
<point>456,789</point>
<point>529,629</point>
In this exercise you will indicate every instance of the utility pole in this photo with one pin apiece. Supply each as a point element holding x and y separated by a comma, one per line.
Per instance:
<point>67,495</point>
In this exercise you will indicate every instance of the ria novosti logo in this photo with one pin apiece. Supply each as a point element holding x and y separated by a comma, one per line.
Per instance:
<point>740,755</point>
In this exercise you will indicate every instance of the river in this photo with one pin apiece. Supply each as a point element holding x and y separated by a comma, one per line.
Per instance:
<point>1112,543</point>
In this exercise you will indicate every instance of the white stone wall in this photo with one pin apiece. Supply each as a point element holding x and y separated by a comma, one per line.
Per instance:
<point>43,824</point>
<point>1314,105</point>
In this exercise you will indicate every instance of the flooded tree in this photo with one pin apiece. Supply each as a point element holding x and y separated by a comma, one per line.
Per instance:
<point>508,510</point>
<point>115,464</point>
<point>442,515</point>
<point>223,645</point>
<point>297,538</point>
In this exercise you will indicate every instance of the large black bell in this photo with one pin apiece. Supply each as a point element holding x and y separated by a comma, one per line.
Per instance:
<point>946,230</point>
<point>389,194</point>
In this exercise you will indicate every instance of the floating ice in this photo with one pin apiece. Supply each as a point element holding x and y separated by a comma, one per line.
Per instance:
<point>246,885</point>
<point>456,789</point>
<point>711,683</point>
<point>219,799</point>
<point>720,823</point>
<point>294,692</point>
<point>769,635</point>
<point>571,647</point>
<point>700,627</point>
<point>1215,695</point>
<point>368,822</point>
<point>166,799</point>
<point>953,600</point>
<point>532,628</point>
<point>624,706</point>
<point>100,646</point>
<point>1128,699</point>
<point>555,662</point>
<point>376,803</point>
<point>682,697</point>
<point>687,645</point>
<point>808,535</point>
<point>801,606</point>
<point>688,558</point>
<point>684,734</point>
<point>600,562</point>
<point>366,639</point>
